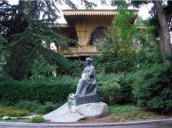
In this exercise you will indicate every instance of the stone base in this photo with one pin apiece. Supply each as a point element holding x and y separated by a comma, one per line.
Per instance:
<point>87,99</point>
<point>84,111</point>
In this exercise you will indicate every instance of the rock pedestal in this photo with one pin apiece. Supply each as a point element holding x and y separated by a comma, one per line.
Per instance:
<point>76,113</point>
<point>78,100</point>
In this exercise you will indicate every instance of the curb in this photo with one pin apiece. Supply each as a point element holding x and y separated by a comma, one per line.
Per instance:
<point>168,121</point>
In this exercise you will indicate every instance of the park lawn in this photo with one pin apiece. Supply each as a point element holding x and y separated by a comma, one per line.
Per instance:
<point>121,113</point>
<point>124,113</point>
<point>11,111</point>
<point>117,113</point>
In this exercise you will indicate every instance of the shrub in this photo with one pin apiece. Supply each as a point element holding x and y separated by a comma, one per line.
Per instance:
<point>115,88</point>
<point>126,82</point>
<point>36,107</point>
<point>56,90</point>
<point>152,88</point>
<point>44,109</point>
<point>110,91</point>
<point>111,63</point>
<point>41,90</point>
<point>36,119</point>
<point>28,105</point>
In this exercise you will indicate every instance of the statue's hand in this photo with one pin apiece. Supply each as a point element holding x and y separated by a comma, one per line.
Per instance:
<point>85,76</point>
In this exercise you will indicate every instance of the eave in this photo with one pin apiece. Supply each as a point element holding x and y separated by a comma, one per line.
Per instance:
<point>93,12</point>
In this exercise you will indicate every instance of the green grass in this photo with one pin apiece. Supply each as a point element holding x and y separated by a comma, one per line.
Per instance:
<point>116,109</point>
<point>26,108</point>
<point>117,113</point>
<point>120,113</point>
<point>36,107</point>
<point>37,119</point>
<point>11,111</point>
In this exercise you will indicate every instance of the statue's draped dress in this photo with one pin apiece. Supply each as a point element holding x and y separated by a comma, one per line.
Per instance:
<point>87,86</point>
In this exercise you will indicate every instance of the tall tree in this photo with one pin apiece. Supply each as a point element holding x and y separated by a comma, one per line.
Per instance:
<point>29,37</point>
<point>118,53</point>
<point>164,30</point>
<point>164,21</point>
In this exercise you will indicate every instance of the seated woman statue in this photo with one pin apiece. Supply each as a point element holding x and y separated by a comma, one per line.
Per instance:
<point>87,82</point>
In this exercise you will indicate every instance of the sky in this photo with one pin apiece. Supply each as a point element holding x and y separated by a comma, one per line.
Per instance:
<point>143,10</point>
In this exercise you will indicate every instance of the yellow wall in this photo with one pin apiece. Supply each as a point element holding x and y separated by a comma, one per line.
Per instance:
<point>85,28</point>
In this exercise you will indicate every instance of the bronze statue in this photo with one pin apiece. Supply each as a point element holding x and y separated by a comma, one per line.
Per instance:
<point>87,83</point>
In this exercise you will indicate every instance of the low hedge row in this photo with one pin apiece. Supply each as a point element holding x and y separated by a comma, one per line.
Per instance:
<point>55,89</point>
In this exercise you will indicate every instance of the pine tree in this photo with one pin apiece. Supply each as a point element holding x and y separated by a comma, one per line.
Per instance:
<point>28,37</point>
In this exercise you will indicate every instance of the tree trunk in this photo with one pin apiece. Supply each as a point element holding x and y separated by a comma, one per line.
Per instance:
<point>21,6</point>
<point>21,24</point>
<point>164,30</point>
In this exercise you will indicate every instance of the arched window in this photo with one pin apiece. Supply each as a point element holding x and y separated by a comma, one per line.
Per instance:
<point>73,43</point>
<point>97,35</point>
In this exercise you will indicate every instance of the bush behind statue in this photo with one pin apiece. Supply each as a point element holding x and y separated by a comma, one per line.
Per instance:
<point>115,88</point>
<point>152,88</point>
<point>50,89</point>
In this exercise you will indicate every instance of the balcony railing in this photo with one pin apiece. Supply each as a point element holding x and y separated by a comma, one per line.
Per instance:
<point>80,51</point>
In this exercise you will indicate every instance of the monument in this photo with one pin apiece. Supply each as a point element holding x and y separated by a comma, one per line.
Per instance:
<point>85,103</point>
<point>86,91</point>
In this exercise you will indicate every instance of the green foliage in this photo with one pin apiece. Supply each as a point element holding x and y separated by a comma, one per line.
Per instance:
<point>31,50</point>
<point>29,39</point>
<point>3,54</point>
<point>149,55</point>
<point>44,109</point>
<point>40,68</point>
<point>119,4</point>
<point>41,90</point>
<point>127,112</point>
<point>152,88</point>
<point>2,42</point>
<point>47,10</point>
<point>109,90</point>
<point>36,119</point>
<point>30,106</point>
<point>89,5</point>
<point>76,67</point>
<point>36,107</point>
<point>122,61</point>
<point>118,53</point>
<point>115,88</point>
<point>116,109</point>
<point>150,52</point>
<point>126,83</point>
<point>121,113</point>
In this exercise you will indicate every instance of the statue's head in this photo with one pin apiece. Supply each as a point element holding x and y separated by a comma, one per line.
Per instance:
<point>88,60</point>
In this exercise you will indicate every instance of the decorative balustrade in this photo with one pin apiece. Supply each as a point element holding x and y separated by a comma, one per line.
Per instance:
<point>80,51</point>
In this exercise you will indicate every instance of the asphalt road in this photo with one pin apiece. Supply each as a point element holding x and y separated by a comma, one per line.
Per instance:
<point>166,124</point>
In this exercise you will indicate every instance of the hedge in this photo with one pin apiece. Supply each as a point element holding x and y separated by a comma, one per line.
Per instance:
<point>54,89</point>
<point>112,88</point>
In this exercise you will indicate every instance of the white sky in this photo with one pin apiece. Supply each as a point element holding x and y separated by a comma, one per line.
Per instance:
<point>143,11</point>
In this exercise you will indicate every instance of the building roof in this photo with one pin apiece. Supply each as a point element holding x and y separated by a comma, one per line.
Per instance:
<point>93,12</point>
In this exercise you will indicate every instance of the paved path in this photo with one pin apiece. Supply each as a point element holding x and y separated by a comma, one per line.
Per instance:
<point>137,124</point>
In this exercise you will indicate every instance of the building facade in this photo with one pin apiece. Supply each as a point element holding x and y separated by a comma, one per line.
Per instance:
<point>86,28</point>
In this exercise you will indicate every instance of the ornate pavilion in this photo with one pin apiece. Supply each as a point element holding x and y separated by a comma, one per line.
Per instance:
<point>86,28</point>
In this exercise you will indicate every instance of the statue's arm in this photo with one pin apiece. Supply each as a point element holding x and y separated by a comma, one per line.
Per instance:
<point>92,71</point>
